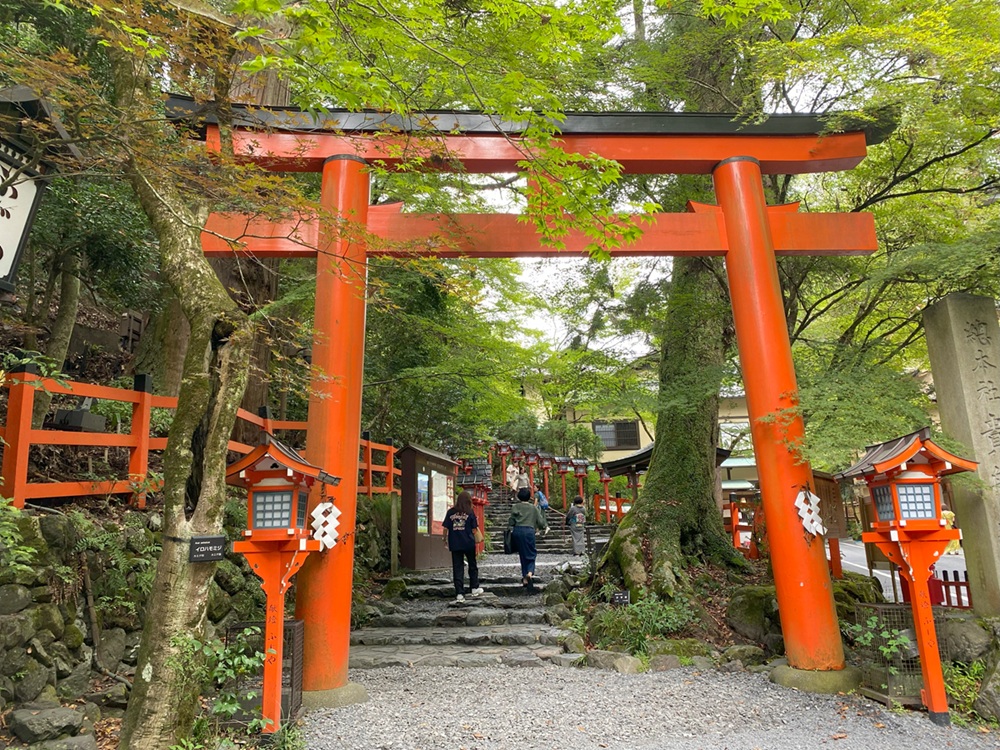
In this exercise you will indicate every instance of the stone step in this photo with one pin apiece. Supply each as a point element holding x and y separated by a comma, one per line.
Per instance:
<point>513,616</point>
<point>447,590</point>
<point>522,635</point>
<point>377,657</point>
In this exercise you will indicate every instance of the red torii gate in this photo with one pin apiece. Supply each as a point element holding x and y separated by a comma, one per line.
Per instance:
<point>742,227</point>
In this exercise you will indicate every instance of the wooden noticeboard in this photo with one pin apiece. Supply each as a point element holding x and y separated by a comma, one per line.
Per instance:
<point>428,490</point>
<point>831,507</point>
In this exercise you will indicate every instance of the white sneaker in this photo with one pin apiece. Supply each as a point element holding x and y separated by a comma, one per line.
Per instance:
<point>477,592</point>
<point>459,598</point>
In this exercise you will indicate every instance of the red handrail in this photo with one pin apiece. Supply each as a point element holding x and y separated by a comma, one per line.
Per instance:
<point>19,436</point>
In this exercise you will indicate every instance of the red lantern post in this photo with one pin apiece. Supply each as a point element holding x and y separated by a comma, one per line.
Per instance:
<point>580,466</point>
<point>531,457</point>
<point>277,543</point>
<point>904,480</point>
<point>545,464</point>
<point>564,467</point>
<point>503,448</point>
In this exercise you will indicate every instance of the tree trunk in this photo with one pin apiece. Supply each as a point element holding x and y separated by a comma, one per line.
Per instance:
<point>252,284</point>
<point>164,698</point>
<point>62,330</point>
<point>163,346</point>
<point>676,517</point>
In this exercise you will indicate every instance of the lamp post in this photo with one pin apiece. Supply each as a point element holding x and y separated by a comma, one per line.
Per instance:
<point>278,541</point>
<point>605,480</point>
<point>904,482</point>
<point>564,467</point>
<point>503,448</point>
<point>545,464</point>
<point>580,466</point>
<point>531,457</point>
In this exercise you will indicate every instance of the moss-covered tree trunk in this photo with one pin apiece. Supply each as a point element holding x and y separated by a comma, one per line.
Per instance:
<point>676,516</point>
<point>162,704</point>
<point>163,345</point>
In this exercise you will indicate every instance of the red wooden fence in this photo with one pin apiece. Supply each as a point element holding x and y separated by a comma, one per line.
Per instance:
<point>18,436</point>
<point>608,509</point>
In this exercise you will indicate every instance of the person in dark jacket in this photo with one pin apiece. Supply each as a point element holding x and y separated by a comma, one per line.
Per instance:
<point>461,522</point>
<point>525,519</point>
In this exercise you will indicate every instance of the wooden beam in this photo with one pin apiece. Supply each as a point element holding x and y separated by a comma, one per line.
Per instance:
<point>504,236</point>
<point>483,153</point>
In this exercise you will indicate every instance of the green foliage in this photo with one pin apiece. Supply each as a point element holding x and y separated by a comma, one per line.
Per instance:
<point>633,625</point>
<point>220,669</point>
<point>556,436</point>
<point>99,220</point>
<point>438,370</point>
<point>962,682</point>
<point>372,545</point>
<point>893,644</point>
<point>15,555</point>
<point>123,567</point>
<point>119,413</point>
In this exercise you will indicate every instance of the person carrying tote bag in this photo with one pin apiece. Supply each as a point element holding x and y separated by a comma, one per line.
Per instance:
<point>525,519</point>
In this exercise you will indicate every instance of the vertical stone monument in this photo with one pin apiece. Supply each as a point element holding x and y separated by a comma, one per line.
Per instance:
<point>963,341</point>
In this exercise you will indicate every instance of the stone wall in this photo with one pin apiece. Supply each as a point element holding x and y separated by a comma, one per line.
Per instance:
<point>46,628</point>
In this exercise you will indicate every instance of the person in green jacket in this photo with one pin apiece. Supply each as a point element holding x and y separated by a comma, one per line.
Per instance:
<point>525,519</point>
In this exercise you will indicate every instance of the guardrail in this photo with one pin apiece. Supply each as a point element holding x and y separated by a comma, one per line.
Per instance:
<point>18,437</point>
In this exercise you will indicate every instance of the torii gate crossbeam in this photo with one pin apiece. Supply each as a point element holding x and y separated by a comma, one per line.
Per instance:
<point>741,227</point>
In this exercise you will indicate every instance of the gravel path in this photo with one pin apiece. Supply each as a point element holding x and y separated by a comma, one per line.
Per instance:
<point>552,708</point>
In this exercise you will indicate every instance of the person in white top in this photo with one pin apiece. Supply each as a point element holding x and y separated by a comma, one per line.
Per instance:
<point>511,477</point>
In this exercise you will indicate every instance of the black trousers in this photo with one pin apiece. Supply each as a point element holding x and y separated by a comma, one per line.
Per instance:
<point>458,559</point>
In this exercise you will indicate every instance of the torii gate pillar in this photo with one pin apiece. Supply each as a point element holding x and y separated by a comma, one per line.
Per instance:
<point>323,596</point>
<point>802,583</point>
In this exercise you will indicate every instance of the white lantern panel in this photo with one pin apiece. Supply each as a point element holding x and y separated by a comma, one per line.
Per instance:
<point>916,500</point>
<point>272,510</point>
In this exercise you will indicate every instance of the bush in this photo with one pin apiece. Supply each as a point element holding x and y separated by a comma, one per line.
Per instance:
<point>633,625</point>
<point>373,543</point>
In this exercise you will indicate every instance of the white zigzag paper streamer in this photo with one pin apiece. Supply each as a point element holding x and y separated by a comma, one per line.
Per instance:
<point>324,525</point>
<point>808,505</point>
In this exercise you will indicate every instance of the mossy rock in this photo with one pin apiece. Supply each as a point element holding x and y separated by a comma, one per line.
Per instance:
<point>394,588</point>
<point>683,648</point>
<point>229,577</point>
<point>16,630</point>
<point>13,661</point>
<point>47,617</point>
<point>247,606</point>
<point>753,612</point>
<point>219,604</point>
<point>30,681</point>
<point>854,588</point>
<point>61,536</point>
<point>72,637</point>
<point>31,534</point>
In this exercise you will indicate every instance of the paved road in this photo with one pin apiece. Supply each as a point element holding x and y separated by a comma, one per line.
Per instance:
<point>852,557</point>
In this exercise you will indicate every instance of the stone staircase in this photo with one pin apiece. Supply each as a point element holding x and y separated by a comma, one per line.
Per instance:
<point>557,541</point>
<point>423,625</point>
